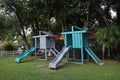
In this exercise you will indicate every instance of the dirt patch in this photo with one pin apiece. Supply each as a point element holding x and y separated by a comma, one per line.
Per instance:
<point>47,71</point>
<point>40,66</point>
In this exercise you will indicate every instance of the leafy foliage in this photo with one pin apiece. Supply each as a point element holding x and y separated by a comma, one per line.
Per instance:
<point>8,46</point>
<point>7,28</point>
<point>36,14</point>
<point>110,37</point>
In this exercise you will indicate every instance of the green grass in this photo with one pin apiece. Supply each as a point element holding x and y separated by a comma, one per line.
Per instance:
<point>31,69</point>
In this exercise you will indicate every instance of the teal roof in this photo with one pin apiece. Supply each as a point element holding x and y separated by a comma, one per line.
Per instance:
<point>76,30</point>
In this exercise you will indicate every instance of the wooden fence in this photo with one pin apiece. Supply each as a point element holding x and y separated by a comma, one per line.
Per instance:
<point>10,53</point>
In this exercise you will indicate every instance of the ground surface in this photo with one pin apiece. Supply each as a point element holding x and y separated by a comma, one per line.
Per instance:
<point>31,69</point>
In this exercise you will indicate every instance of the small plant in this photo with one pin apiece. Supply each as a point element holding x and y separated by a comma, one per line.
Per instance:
<point>8,46</point>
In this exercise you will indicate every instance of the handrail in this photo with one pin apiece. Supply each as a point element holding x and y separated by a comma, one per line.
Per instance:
<point>73,27</point>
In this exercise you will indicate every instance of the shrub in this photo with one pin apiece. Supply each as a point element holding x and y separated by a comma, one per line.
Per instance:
<point>8,46</point>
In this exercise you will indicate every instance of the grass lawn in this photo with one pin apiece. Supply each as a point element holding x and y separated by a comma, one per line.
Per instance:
<point>31,69</point>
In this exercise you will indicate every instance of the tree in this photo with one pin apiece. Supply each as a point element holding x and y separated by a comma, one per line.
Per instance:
<point>109,37</point>
<point>36,14</point>
<point>107,30</point>
<point>2,25</point>
<point>6,28</point>
<point>19,12</point>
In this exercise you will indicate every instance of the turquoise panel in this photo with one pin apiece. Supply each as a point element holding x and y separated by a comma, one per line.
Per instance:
<point>85,40</point>
<point>69,40</point>
<point>76,37</point>
<point>65,40</point>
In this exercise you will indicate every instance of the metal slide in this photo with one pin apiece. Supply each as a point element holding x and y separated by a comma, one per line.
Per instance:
<point>28,52</point>
<point>94,57</point>
<point>55,62</point>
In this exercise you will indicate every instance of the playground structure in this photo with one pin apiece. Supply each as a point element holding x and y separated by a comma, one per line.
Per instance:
<point>76,39</point>
<point>45,41</point>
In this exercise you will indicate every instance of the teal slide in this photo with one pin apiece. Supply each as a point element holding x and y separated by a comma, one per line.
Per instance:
<point>94,57</point>
<point>28,52</point>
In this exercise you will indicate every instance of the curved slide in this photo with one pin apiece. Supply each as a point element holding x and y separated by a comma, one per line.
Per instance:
<point>54,63</point>
<point>28,52</point>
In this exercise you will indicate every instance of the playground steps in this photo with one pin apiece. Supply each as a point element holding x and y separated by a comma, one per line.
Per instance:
<point>94,57</point>
<point>54,51</point>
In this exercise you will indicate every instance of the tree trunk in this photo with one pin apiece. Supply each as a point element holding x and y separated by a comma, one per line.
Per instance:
<point>103,51</point>
<point>35,29</point>
<point>26,43</point>
<point>118,17</point>
<point>24,39</point>
<point>63,26</point>
<point>109,56</point>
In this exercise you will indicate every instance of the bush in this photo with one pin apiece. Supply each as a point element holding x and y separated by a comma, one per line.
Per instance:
<point>8,46</point>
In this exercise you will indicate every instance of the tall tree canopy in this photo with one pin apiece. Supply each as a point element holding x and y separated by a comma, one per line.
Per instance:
<point>37,14</point>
